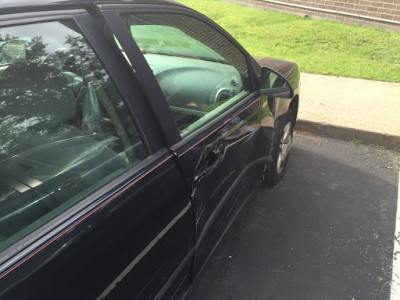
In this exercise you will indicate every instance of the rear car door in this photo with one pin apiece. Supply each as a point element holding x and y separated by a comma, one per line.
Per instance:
<point>206,80</point>
<point>92,203</point>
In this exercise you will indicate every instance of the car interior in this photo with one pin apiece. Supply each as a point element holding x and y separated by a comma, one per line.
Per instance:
<point>196,80</point>
<point>63,133</point>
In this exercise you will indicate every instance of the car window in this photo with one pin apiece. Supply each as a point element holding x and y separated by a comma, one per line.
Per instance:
<point>167,40</point>
<point>64,129</point>
<point>200,72</point>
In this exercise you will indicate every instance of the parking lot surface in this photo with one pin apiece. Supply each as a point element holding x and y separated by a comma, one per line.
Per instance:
<point>325,232</point>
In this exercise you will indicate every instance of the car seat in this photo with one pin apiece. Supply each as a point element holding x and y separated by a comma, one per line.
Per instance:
<point>45,161</point>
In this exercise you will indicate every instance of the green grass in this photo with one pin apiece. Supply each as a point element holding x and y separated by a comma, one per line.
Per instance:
<point>356,141</point>
<point>322,47</point>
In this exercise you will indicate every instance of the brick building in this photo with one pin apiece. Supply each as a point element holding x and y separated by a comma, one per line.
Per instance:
<point>380,13</point>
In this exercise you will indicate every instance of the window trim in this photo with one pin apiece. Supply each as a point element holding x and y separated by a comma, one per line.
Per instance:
<point>216,113</point>
<point>28,246</point>
<point>127,86</point>
<point>38,17</point>
<point>128,8</point>
<point>45,235</point>
<point>144,75</point>
<point>116,10</point>
<point>197,136</point>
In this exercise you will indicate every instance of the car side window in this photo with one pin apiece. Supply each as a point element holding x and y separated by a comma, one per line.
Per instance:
<point>64,129</point>
<point>200,72</point>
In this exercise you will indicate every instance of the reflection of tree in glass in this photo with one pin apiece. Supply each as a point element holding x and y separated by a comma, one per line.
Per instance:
<point>33,95</point>
<point>36,97</point>
<point>6,38</point>
<point>36,49</point>
<point>92,69</point>
<point>85,57</point>
<point>41,130</point>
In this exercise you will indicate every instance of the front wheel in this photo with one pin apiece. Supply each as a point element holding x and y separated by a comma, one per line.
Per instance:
<point>280,149</point>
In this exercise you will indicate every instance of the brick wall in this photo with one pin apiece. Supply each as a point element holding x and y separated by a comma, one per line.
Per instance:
<point>380,13</point>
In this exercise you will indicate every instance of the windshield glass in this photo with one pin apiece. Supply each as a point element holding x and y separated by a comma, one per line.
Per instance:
<point>165,40</point>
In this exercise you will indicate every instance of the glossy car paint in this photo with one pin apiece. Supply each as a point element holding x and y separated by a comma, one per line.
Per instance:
<point>215,166</point>
<point>85,258</point>
<point>291,72</point>
<point>84,255</point>
<point>148,233</point>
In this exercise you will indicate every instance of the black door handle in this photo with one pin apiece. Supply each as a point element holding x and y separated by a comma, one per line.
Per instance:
<point>212,162</point>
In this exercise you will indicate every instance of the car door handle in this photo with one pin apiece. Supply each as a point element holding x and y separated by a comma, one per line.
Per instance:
<point>202,173</point>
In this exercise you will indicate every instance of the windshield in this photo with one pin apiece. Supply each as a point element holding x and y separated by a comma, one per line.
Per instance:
<point>164,40</point>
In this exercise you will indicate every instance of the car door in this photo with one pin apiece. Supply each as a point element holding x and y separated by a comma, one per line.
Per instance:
<point>92,202</point>
<point>224,125</point>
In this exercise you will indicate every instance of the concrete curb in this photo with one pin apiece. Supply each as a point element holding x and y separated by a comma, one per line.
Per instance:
<point>348,134</point>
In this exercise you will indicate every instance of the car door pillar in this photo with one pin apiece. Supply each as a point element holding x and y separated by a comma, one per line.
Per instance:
<point>145,76</point>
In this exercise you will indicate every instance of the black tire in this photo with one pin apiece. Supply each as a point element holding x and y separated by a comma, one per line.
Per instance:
<point>280,149</point>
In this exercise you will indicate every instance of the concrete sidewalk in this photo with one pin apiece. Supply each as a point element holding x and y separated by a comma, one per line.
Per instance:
<point>363,111</point>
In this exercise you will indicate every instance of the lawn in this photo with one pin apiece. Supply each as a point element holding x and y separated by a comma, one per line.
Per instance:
<point>322,47</point>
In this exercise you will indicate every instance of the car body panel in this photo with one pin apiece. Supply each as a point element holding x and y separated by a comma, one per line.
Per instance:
<point>216,165</point>
<point>215,148</point>
<point>103,244</point>
<point>147,233</point>
<point>96,245</point>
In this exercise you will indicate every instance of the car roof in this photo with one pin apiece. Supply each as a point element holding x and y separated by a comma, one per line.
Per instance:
<point>13,6</point>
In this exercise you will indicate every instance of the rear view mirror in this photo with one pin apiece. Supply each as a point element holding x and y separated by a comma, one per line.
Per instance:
<point>15,49</point>
<point>272,83</point>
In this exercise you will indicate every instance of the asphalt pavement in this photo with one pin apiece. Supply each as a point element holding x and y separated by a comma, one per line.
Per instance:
<point>325,232</point>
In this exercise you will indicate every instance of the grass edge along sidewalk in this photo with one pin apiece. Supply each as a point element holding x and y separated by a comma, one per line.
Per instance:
<point>318,46</point>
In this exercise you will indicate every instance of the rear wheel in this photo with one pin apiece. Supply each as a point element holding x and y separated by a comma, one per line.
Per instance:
<point>280,150</point>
